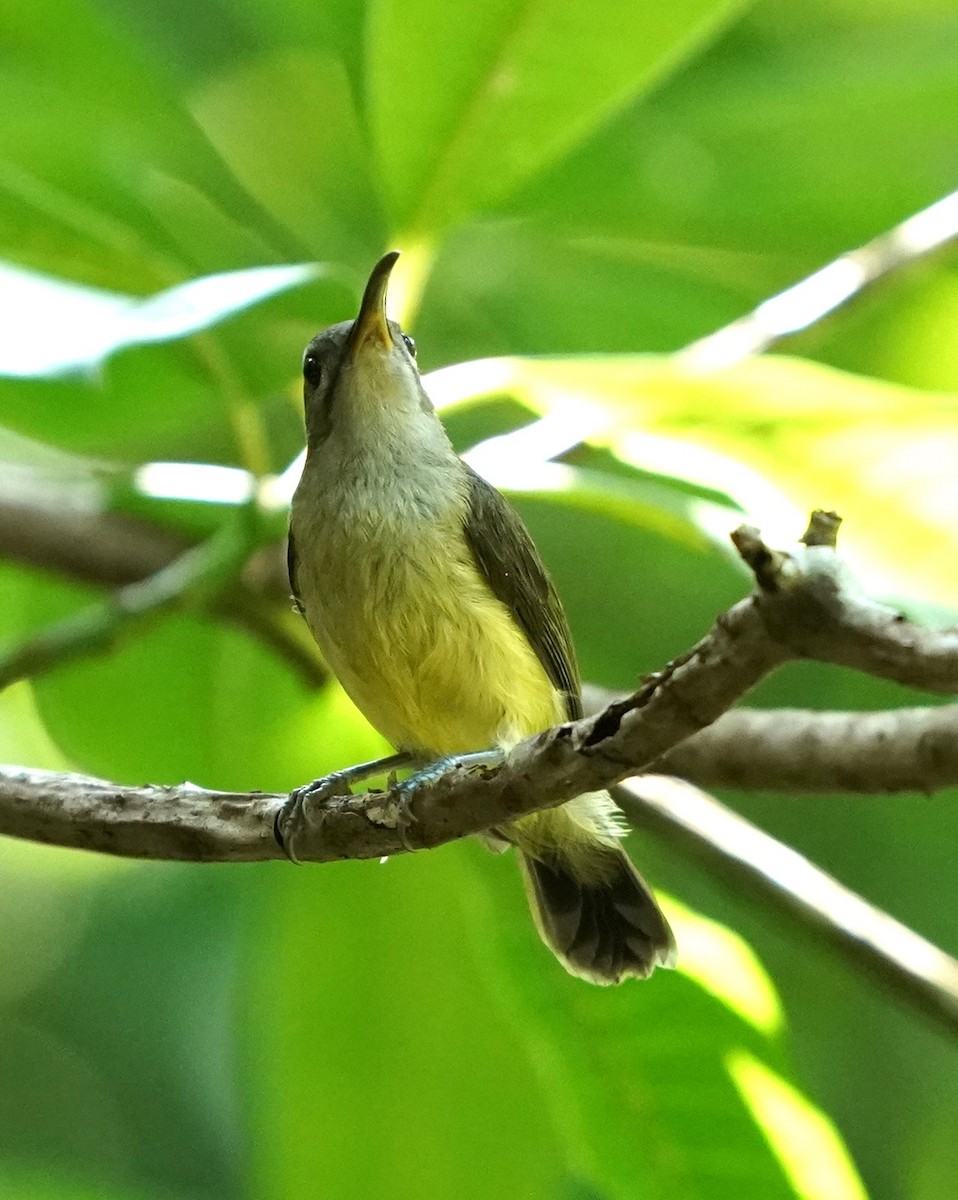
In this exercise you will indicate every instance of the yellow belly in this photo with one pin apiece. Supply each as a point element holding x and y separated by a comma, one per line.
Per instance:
<point>441,669</point>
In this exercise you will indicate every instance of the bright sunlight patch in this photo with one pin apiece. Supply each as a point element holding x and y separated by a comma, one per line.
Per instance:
<point>722,963</point>
<point>801,1137</point>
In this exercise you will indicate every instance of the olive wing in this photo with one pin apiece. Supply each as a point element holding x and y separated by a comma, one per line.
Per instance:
<point>507,557</point>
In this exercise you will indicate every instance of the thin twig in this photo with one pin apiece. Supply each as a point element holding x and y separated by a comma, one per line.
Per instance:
<point>203,570</point>
<point>808,301</point>
<point>116,550</point>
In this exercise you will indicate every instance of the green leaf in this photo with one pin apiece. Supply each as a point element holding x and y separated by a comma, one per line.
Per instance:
<point>635,1076</point>
<point>80,148</point>
<point>726,966</point>
<point>524,287</point>
<point>898,331</point>
<point>38,1185</point>
<point>772,144</point>
<point>778,437</point>
<point>462,113</point>
<point>377,1060</point>
<point>287,127</point>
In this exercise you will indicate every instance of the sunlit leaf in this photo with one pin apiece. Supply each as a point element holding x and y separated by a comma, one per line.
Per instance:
<point>54,326</point>
<point>802,1138</point>
<point>780,436</point>
<point>723,963</point>
<point>900,332</point>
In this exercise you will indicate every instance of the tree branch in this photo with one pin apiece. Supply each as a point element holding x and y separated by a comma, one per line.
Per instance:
<point>796,750</point>
<point>540,772</point>
<point>191,823</point>
<point>106,548</point>
<point>184,823</point>
<point>789,750</point>
<point>813,606</point>
<point>806,606</point>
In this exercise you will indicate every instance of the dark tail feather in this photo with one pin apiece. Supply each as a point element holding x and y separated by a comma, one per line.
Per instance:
<point>603,930</point>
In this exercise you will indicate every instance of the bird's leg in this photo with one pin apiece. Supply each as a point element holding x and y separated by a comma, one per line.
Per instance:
<point>333,785</point>
<point>305,803</point>
<point>476,760</point>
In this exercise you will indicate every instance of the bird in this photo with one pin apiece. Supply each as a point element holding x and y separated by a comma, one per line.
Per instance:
<point>430,603</point>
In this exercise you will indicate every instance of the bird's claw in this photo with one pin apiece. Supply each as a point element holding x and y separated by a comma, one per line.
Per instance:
<point>306,807</point>
<point>405,817</point>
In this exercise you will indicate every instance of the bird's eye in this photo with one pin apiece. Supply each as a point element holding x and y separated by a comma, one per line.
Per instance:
<point>410,344</point>
<point>312,370</point>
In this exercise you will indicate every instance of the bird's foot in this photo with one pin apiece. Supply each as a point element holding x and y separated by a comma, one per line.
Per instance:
<point>307,805</point>
<point>405,791</point>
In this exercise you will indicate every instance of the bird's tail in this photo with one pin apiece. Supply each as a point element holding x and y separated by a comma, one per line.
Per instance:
<point>592,907</point>
<point>603,930</point>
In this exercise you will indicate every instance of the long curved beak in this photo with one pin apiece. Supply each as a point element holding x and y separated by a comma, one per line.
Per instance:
<point>371,324</point>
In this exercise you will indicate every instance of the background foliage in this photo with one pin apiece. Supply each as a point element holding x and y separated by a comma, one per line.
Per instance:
<point>564,182</point>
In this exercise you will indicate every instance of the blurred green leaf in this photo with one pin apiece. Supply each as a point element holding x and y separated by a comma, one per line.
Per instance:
<point>461,115</point>
<point>287,127</point>
<point>805,1142</point>
<point>517,287</point>
<point>724,964</point>
<point>122,1070</point>
<point>900,331</point>
<point>377,1060</point>
<point>37,1185</point>
<point>80,147</point>
<point>183,400</point>
<point>189,699</point>
<point>776,142</point>
<point>635,1076</point>
<point>587,1083</point>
